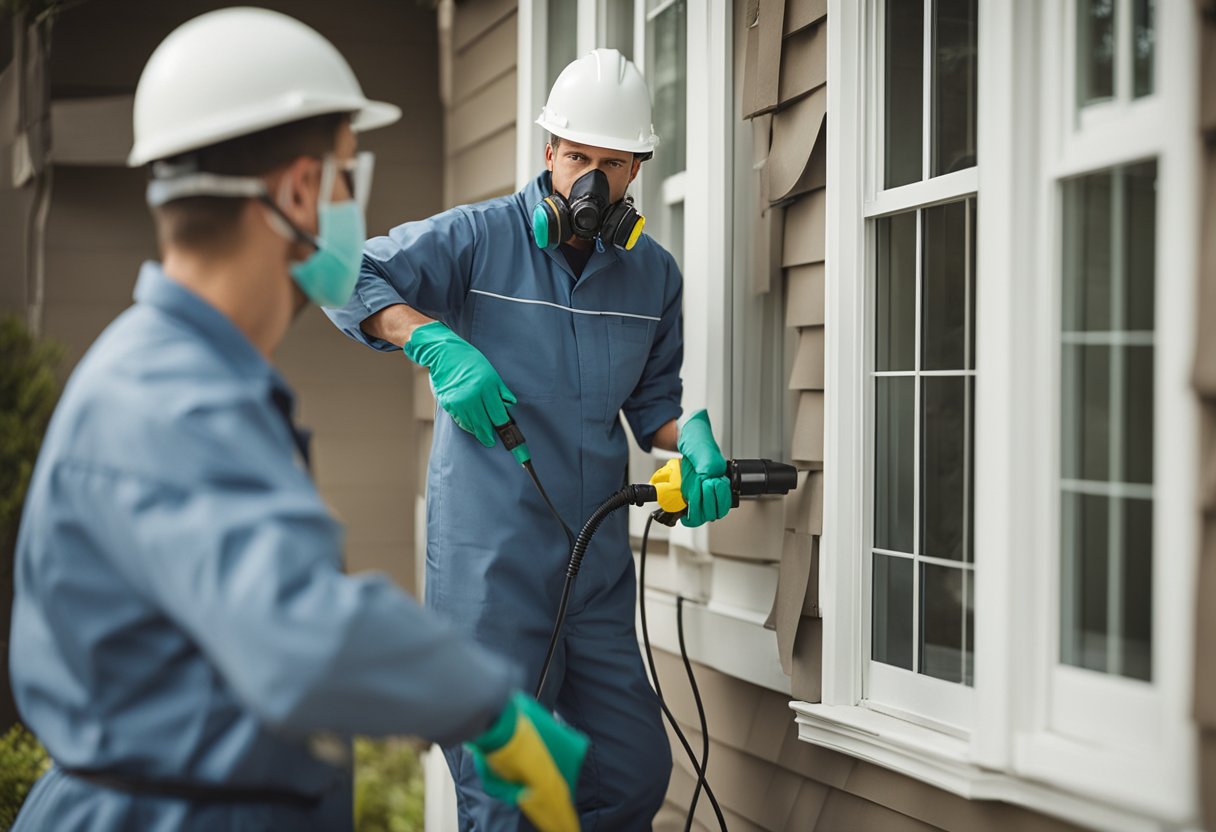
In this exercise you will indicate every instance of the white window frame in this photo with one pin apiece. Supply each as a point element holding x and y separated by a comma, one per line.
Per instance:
<point>907,694</point>
<point>1027,140</point>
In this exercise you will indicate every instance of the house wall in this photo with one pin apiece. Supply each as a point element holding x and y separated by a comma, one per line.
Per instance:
<point>1205,388</point>
<point>765,778</point>
<point>357,402</point>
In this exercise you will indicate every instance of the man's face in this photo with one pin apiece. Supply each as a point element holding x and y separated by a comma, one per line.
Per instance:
<point>570,160</point>
<point>305,178</point>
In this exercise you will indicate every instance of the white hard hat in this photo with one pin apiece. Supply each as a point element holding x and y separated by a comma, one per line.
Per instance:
<point>237,71</point>
<point>601,100</point>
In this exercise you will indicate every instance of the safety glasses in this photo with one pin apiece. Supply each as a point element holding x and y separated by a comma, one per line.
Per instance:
<point>355,171</point>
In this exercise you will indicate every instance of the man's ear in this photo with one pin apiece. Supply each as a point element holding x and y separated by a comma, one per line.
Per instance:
<point>297,191</point>
<point>549,153</point>
<point>637,166</point>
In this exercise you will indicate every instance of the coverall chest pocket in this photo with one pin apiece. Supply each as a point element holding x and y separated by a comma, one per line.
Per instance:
<point>524,342</point>
<point>629,342</point>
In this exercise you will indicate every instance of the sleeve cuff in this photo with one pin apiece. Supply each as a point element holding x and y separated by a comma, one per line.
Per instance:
<point>374,298</point>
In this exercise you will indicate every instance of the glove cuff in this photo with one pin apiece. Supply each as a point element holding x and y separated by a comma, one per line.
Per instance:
<point>422,337</point>
<point>500,733</point>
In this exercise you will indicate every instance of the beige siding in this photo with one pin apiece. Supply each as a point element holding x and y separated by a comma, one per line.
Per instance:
<point>1205,387</point>
<point>358,403</point>
<point>479,143</point>
<point>765,778</point>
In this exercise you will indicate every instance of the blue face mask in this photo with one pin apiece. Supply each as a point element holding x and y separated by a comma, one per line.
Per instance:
<point>329,274</point>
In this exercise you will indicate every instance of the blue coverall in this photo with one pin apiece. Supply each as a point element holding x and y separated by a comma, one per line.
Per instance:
<point>180,611</point>
<point>576,351</point>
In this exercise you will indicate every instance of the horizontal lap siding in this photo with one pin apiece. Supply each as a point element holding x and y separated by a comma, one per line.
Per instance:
<point>765,778</point>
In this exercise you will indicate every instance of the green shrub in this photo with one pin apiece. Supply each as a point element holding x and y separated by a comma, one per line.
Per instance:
<point>22,761</point>
<point>388,786</point>
<point>28,392</point>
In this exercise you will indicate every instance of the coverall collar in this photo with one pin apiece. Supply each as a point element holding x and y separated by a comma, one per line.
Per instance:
<point>534,192</point>
<point>157,289</point>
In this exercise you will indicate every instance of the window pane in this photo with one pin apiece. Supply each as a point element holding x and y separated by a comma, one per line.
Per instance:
<point>1137,589</point>
<point>1087,416</point>
<point>1095,50</point>
<point>1084,580</point>
<point>896,293</point>
<point>904,63</point>
<point>1138,415</point>
<point>618,26</point>
<point>563,37</point>
<point>1139,244</point>
<point>946,623</point>
<point>892,604</point>
<point>1087,251</point>
<point>1107,421</point>
<point>666,72</point>
<point>1144,38</point>
<point>1108,585</point>
<point>894,468</point>
<point>946,277</point>
<point>946,468</point>
<point>954,57</point>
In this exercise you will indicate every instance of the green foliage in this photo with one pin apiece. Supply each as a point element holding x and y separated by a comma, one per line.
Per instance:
<point>22,761</point>
<point>388,786</point>
<point>28,392</point>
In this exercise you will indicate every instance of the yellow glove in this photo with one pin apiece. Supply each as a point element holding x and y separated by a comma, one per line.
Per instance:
<point>667,482</point>
<point>529,759</point>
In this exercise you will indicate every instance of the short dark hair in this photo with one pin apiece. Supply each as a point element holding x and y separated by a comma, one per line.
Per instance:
<point>556,141</point>
<point>210,222</point>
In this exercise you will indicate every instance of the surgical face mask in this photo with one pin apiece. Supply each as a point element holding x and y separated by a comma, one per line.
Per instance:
<point>588,214</point>
<point>328,275</point>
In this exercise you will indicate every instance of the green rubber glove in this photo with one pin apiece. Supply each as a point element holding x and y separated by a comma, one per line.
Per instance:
<point>532,761</point>
<point>466,385</point>
<point>703,482</point>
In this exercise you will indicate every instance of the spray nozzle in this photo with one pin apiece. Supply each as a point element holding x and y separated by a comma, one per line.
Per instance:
<point>748,478</point>
<point>513,440</point>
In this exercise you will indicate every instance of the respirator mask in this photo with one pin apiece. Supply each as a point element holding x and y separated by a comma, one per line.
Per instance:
<point>588,214</point>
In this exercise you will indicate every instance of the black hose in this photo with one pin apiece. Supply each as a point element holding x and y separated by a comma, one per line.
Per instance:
<point>654,676</point>
<point>636,495</point>
<point>696,695</point>
<point>544,495</point>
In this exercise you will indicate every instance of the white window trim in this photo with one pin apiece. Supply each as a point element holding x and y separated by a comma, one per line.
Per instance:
<point>532,31</point>
<point>1011,753</point>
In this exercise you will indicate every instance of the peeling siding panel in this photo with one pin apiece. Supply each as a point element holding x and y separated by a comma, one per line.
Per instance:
<point>1204,379</point>
<point>100,230</point>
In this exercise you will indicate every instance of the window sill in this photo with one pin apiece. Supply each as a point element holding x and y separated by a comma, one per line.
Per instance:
<point>942,760</point>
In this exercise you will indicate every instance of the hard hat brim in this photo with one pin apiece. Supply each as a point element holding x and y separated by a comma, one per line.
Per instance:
<point>365,115</point>
<point>600,140</point>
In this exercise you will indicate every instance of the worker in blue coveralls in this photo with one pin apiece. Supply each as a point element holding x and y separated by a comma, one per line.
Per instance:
<point>552,307</point>
<point>184,641</point>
